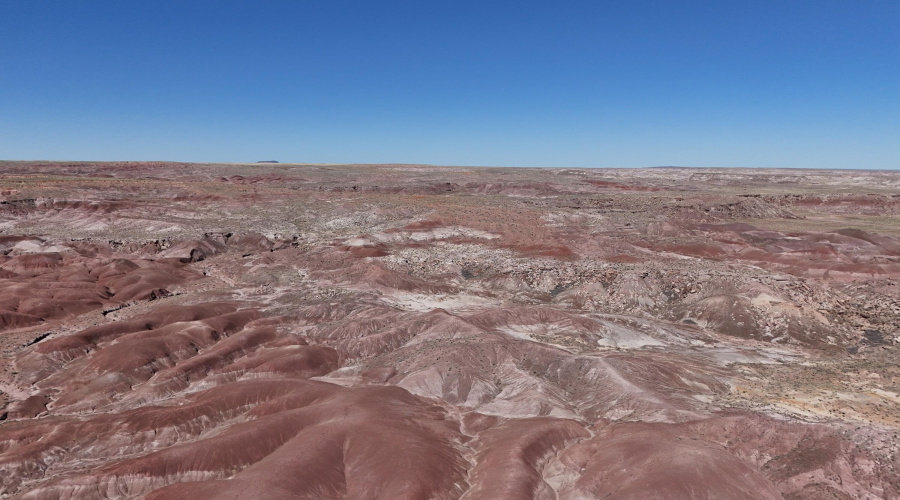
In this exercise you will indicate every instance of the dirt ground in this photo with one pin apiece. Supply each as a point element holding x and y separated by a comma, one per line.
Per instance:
<point>403,332</point>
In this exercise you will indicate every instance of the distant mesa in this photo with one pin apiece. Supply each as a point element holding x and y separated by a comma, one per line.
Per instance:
<point>267,161</point>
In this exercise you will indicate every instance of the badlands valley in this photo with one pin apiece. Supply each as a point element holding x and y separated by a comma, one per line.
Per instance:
<point>398,332</point>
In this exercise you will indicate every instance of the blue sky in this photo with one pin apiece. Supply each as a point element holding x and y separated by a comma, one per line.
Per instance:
<point>530,83</point>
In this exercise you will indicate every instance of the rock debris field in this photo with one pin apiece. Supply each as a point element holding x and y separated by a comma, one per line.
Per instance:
<point>402,332</point>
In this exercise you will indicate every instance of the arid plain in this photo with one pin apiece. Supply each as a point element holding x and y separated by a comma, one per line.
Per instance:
<point>202,331</point>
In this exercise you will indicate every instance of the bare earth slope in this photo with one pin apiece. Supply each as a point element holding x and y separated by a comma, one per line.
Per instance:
<point>175,331</point>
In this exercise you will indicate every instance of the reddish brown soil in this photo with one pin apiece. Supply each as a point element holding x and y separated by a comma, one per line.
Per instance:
<point>174,331</point>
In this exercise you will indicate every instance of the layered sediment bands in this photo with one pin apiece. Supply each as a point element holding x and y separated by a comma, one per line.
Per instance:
<point>512,455</point>
<point>732,456</point>
<point>510,377</point>
<point>634,462</point>
<point>840,252</point>
<point>286,437</point>
<point>173,331</point>
<point>39,286</point>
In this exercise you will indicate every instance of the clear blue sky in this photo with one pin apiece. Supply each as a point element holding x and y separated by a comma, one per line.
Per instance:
<point>630,83</point>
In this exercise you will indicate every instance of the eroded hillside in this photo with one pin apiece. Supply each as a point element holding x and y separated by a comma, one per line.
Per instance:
<point>179,331</point>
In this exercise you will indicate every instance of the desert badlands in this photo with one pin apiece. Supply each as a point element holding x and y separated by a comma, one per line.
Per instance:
<point>401,332</point>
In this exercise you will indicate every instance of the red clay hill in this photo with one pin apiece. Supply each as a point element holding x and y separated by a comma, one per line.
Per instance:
<point>173,331</point>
